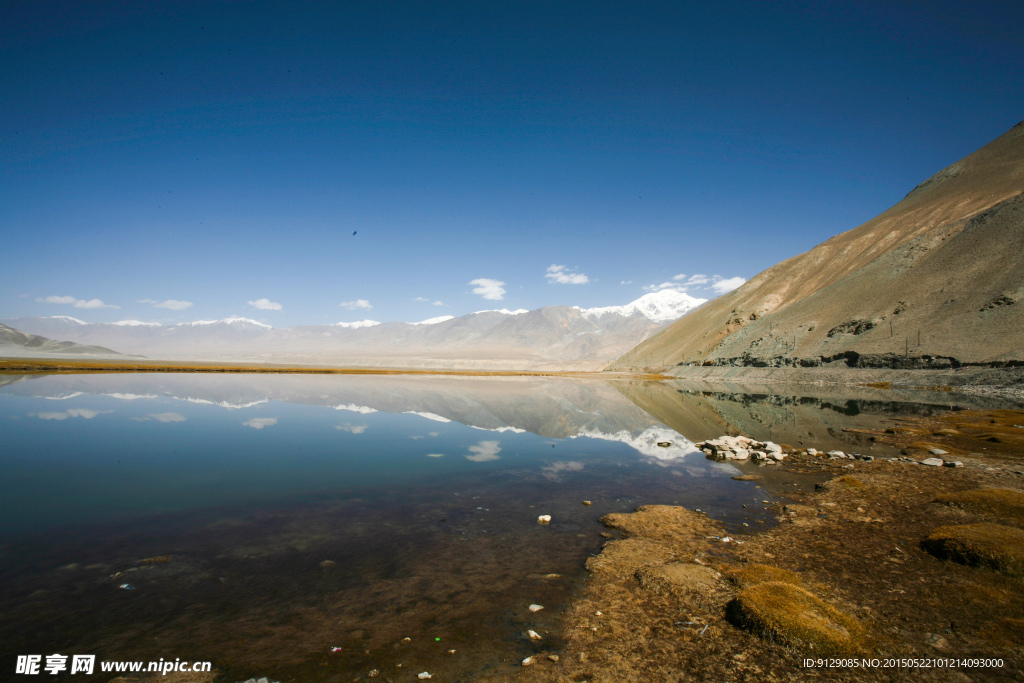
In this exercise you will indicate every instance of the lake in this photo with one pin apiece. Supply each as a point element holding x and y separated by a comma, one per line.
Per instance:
<point>318,527</point>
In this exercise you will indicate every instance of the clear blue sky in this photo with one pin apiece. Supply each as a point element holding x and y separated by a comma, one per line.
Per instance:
<point>222,153</point>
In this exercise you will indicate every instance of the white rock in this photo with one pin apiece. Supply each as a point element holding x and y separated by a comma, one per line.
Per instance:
<point>535,608</point>
<point>812,451</point>
<point>423,676</point>
<point>953,463</point>
<point>777,456</point>
<point>772,447</point>
<point>938,451</point>
<point>836,454</point>
<point>759,455</point>
<point>534,636</point>
<point>739,454</point>
<point>544,519</point>
<point>528,661</point>
<point>934,462</point>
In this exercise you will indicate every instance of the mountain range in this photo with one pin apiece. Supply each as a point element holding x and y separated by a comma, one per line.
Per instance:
<point>553,337</point>
<point>15,343</point>
<point>937,281</point>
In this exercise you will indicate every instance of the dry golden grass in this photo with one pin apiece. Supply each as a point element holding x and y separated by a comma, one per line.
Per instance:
<point>753,574</point>
<point>793,615</point>
<point>994,546</point>
<point>23,366</point>
<point>1006,504</point>
<point>852,482</point>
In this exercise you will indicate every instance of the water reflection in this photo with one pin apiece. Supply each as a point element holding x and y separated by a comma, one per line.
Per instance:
<point>298,514</point>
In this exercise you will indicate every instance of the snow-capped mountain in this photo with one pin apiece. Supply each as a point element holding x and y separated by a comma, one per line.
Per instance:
<point>661,307</point>
<point>434,321</point>
<point>357,324</point>
<point>553,337</point>
<point>236,321</point>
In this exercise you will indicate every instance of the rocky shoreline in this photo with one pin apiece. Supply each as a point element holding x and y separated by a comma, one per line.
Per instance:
<point>1006,382</point>
<point>885,568</point>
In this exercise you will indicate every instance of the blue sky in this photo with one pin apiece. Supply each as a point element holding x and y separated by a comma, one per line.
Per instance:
<point>287,161</point>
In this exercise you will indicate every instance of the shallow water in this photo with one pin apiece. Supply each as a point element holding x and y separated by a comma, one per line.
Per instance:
<point>303,526</point>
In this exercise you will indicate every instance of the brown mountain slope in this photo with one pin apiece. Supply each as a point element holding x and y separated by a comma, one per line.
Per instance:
<point>938,279</point>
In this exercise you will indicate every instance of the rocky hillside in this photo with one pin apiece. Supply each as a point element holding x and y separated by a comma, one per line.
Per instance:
<point>935,281</point>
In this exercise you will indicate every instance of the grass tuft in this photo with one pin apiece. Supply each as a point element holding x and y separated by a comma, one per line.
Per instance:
<point>994,546</point>
<point>1003,503</point>
<point>753,574</point>
<point>796,617</point>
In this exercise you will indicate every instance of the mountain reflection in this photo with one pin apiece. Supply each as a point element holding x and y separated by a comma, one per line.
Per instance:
<point>640,414</point>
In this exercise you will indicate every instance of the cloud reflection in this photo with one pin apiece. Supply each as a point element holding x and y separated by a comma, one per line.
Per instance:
<point>355,429</point>
<point>484,451</point>
<point>260,422</point>
<point>84,413</point>
<point>552,471</point>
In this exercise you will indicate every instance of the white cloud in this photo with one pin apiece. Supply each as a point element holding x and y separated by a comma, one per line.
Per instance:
<point>488,288</point>
<point>723,285</point>
<point>172,304</point>
<point>435,455</point>
<point>358,303</point>
<point>420,298</point>
<point>265,305</point>
<point>355,429</point>
<point>168,417</point>
<point>438,303</point>
<point>77,303</point>
<point>50,416</point>
<point>484,451</point>
<point>626,282</point>
<point>559,275</point>
<point>260,422</point>
<point>698,279</point>
<point>426,300</point>
<point>679,277</point>
<point>665,285</point>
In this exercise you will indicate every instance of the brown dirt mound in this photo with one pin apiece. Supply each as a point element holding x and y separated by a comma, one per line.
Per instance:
<point>786,613</point>
<point>1006,504</point>
<point>979,545</point>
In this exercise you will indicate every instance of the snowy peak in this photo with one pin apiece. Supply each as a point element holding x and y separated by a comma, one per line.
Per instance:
<point>502,310</point>
<point>434,321</point>
<point>660,307</point>
<point>357,324</point>
<point>135,323</point>
<point>235,320</point>
<point>68,319</point>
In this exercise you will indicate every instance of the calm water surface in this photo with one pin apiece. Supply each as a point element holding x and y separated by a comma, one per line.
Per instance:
<point>300,527</point>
